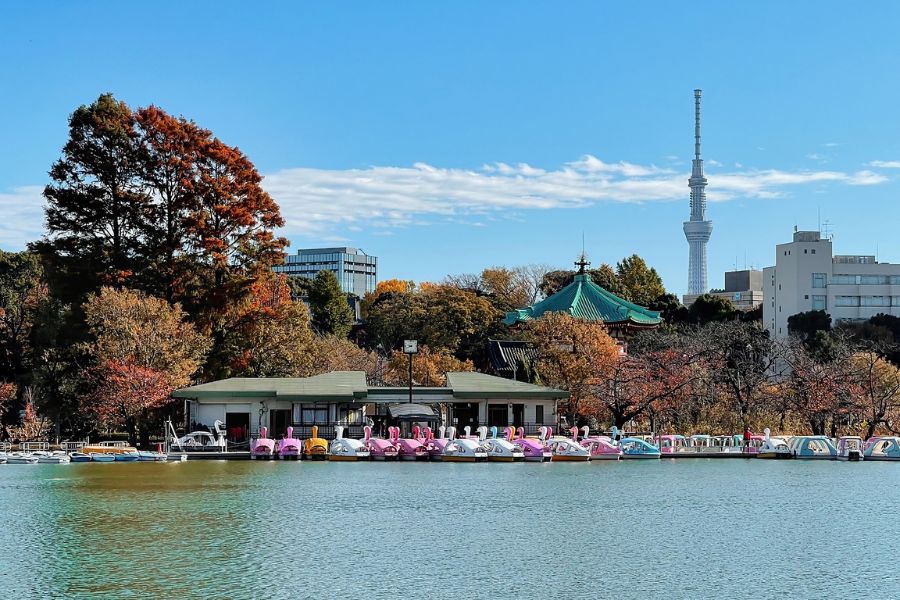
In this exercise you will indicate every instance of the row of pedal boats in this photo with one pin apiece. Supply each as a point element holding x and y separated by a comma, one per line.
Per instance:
<point>488,444</point>
<point>511,445</point>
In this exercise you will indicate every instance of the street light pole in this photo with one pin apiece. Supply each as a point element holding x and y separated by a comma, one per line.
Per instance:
<point>410,347</point>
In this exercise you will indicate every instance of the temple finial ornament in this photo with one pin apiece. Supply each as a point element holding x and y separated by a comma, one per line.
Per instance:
<point>582,263</point>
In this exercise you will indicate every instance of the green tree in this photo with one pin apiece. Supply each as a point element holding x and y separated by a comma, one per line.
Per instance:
<point>638,282</point>
<point>97,207</point>
<point>331,314</point>
<point>708,308</point>
<point>672,311</point>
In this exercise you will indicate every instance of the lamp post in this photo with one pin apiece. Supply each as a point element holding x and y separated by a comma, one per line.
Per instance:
<point>410,347</point>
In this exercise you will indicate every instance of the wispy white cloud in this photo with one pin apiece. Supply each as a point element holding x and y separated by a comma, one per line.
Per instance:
<point>831,144</point>
<point>884,164</point>
<point>23,216</point>
<point>329,203</point>
<point>318,200</point>
<point>816,156</point>
<point>713,163</point>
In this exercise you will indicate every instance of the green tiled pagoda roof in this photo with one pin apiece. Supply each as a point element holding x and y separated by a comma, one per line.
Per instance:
<point>584,299</point>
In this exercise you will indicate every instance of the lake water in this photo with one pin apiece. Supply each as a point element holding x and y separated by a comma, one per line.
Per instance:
<point>671,528</point>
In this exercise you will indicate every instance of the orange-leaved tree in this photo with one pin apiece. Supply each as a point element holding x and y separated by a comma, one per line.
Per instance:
<point>573,355</point>
<point>135,334</point>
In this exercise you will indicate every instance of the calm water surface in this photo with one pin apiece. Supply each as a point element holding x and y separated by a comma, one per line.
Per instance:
<point>676,529</point>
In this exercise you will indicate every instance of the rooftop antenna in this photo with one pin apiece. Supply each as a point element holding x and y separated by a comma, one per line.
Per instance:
<point>819,218</point>
<point>827,231</point>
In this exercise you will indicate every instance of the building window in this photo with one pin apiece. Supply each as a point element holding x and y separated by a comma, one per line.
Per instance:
<point>312,414</point>
<point>539,414</point>
<point>804,251</point>
<point>813,251</point>
<point>846,300</point>
<point>806,296</point>
<point>818,280</point>
<point>875,301</point>
<point>873,279</point>
<point>818,302</point>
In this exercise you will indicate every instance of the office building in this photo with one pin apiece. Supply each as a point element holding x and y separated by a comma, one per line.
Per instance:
<point>356,271</point>
<point>807,276</point>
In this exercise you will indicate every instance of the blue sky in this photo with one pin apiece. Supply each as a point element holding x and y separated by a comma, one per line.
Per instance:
<point>446,137</point>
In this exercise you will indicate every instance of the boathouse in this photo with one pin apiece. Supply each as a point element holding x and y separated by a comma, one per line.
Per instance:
<point>244,404</point>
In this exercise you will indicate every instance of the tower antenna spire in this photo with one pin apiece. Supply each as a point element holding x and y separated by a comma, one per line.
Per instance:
<point>697,230</point>
<point>697,124</point>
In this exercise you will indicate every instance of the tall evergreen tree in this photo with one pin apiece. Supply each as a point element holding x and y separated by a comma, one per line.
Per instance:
<point>331,314</point>
<point>97,206</point>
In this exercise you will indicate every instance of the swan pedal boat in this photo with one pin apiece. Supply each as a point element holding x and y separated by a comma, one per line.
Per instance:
<point>464,450</point>
<point>601,447</point>
<point>289,447</point>
<point>568,449</point>
<point>315,448</point>
<point>533,450</point>
<point>347,449</point>
<point>774,448</point>
<point>262,447</point>
<point>502,450</point>
<point>379,448</point>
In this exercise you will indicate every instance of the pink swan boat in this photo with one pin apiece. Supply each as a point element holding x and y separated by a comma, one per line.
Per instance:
<point>602,447</point>
<point>435,446</point>
<point>534,450</point>
<point>262,447</point>
<point>410,448</point>
<point>379,448</point>
<point>289,447</point>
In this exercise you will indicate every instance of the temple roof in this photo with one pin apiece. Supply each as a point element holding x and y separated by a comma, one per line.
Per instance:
<point>584,299</point>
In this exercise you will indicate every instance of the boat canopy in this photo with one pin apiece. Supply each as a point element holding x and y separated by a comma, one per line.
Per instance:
<point>412,412</point>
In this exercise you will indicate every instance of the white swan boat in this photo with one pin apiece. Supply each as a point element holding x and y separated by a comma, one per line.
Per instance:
<point>464,450</point>
<point>57,457</point>
<point>347,449</point>
<point>501,450</point>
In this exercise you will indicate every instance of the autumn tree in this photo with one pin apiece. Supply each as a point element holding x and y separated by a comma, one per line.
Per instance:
<point>438,316</point>
<point>331,353</point>
<point>169,152</point>
<point>268,334</point>
<point>430,367</point>
<point>137,335</point>
<point>743,359</point>
<point>573,355</point>
<point>818,390</point>
<point>97,206</point>
<point>331,313</point>
<point>22,291</point>
<point>877,382</point>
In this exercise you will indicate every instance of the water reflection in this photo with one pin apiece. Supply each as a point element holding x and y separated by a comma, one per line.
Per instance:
<point>272,530</point>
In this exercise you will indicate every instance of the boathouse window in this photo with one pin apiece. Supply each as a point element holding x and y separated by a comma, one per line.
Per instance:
<point>311,414</point>
<point>539,414</point>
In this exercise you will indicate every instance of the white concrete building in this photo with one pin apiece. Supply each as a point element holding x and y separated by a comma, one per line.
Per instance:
<point>807,276</point>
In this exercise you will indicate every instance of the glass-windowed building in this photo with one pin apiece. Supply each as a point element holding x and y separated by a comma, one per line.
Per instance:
<point>356,271</point>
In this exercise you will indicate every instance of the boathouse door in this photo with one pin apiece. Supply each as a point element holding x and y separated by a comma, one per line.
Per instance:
<point>237,426</point>
<point>498,415</point>
<point>280,419</point>
<point>518,415</point>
